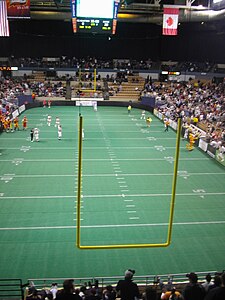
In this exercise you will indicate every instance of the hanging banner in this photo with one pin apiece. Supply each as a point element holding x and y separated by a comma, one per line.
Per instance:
<point>170,20</point>
<point>4,23</point>
<point>18,9</point>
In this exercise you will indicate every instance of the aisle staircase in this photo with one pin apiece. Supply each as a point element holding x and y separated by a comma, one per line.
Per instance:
<point>130,90</point>
<point>38,76</point>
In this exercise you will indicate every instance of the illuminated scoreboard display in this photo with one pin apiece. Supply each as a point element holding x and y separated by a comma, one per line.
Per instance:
<point>94,16</point>
<point>94,25</point>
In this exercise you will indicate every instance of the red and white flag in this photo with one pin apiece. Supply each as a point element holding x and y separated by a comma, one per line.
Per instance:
<point>4,23</point>
<point>170,21</point>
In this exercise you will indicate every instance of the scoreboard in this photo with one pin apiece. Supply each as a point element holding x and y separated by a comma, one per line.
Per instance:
<point>102,18</point>
<point>96,25</point>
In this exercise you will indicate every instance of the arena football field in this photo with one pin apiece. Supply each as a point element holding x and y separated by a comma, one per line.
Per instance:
<point>127,173</point>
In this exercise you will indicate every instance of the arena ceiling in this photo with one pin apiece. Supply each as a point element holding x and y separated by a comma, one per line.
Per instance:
<point>136,11</point>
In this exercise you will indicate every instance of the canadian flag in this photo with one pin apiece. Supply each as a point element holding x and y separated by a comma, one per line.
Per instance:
<point>170,21</point>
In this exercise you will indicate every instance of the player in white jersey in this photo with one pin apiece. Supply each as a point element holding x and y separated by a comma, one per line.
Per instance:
<point>59,132</point>
<point>57,122</point>
<point>95,106</point>
<point>49,120</point>
<point>36,134</point>
<point>143,115</point>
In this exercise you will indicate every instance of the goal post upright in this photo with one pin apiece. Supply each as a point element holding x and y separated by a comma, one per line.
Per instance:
<point>79,180</point>
<point>174,184</point>
<point>124,246</point>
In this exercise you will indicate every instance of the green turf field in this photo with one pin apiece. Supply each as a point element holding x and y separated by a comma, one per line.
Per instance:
<point>127,172</point>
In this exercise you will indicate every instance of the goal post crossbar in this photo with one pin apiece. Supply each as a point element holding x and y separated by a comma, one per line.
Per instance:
<point>123,246</point>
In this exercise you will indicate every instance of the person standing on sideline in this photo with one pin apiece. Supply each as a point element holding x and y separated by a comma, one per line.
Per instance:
<point>16,123</point>
<point>95,106</point>
<point>49,103</point>
<point>24,123</point>
<point>59,132</point>
<point>44,103</point>
<point>10,125</point>
<point>166,124</point>
<point>126,288</point>
<point>129,109</point>
<point>49,120</point>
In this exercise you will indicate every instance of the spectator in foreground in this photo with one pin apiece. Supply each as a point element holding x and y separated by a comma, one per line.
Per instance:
<point>172,294</point>
<point>217,293</point>
<point>109,293</point>
<point>92,295</point>
<point>207,282</point>
<point>67,293</point>
<point>150,294</point>
<point>126,288</point>
<point>217,282</point>
<point>54,290</point>
<point>193,291</point>
<point>33,294</point>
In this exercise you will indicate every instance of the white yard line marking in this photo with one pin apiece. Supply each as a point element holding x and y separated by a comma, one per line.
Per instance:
<point>84,148</point>
<point>103,159</point>
<point>110,196</point>
<point>151,174</point>
<point>152,195</point>
<point>122,138</point>
<point>112,226</point>
<point>145,159</point>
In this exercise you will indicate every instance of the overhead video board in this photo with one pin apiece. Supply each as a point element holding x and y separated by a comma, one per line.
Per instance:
<point>94,16</point>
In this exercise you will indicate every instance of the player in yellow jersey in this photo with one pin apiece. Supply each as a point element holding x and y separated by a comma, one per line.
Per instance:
<point>148,121</point>
<point>190,145</point>
<point>24,123</point>
<point>16,123</point>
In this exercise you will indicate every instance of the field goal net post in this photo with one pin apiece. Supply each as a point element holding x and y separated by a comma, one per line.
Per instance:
<point>123,246</point>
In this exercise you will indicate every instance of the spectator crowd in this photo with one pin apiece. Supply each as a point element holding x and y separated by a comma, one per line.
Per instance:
<point>195,102</point>
<point>127,289</point>
<point>202,104</point>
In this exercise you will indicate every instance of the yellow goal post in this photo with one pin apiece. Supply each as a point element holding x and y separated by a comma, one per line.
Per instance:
<point>123,246</point>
